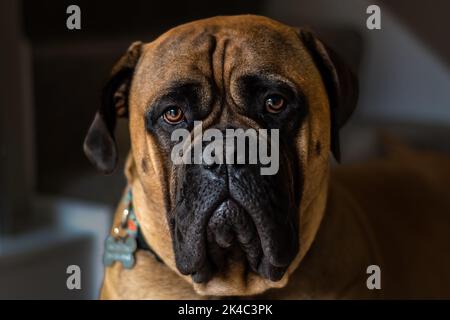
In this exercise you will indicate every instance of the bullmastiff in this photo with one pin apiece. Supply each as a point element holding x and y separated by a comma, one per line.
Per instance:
<point>202,231</point>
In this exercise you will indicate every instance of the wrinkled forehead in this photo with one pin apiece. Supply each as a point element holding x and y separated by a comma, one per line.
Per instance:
<point>217,52</point>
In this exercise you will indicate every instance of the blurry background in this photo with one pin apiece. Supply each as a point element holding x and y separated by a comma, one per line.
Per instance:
<point>55,210</point>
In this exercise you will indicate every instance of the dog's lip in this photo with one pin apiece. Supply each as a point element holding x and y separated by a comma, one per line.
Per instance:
<point>237,228</point>
<point>230,226</point>
<point>230,201</point>
<point>230,230</point>
<point>226,240</point>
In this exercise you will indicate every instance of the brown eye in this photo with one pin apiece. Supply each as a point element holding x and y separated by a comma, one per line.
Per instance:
<point>274,103</point>
<point>173,115</point>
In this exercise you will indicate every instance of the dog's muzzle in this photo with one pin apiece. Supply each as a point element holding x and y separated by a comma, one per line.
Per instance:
<point>227,212</point>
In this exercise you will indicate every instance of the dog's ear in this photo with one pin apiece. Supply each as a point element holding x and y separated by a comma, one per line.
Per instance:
<point>340,82</point>
<point>99,144</point>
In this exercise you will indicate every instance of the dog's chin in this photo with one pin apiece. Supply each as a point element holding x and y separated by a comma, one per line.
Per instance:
<point>237,279</point>
<point>232,245</point>
<point>232,237</point>
<point>235,256</point>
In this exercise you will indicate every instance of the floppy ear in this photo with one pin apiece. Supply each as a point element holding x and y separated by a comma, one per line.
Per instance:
<point>340,82</point>
<point>99,144</point>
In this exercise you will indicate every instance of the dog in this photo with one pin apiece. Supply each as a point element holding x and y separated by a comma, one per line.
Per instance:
<point>225,230</point>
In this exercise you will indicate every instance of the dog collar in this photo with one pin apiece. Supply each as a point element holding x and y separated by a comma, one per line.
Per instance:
<point>126,238</point>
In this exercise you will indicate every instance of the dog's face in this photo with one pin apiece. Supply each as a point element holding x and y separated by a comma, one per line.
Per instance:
<point>242,72</point>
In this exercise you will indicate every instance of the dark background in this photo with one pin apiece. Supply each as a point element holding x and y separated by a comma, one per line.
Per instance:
<point>55,209</point>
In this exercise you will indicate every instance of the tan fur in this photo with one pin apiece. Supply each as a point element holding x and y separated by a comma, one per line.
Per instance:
<point>347,221</point>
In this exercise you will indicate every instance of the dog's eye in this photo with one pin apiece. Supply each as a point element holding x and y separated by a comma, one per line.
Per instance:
<point>173,115</point>
<point>274,103</point>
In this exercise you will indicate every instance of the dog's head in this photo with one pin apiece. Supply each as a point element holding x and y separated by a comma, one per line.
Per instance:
<point>231,228</point>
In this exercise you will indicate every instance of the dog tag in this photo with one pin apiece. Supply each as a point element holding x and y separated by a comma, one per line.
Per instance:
<point>120,249</point>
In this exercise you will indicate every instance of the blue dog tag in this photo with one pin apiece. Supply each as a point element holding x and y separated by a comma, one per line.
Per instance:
<point>120,249</point>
